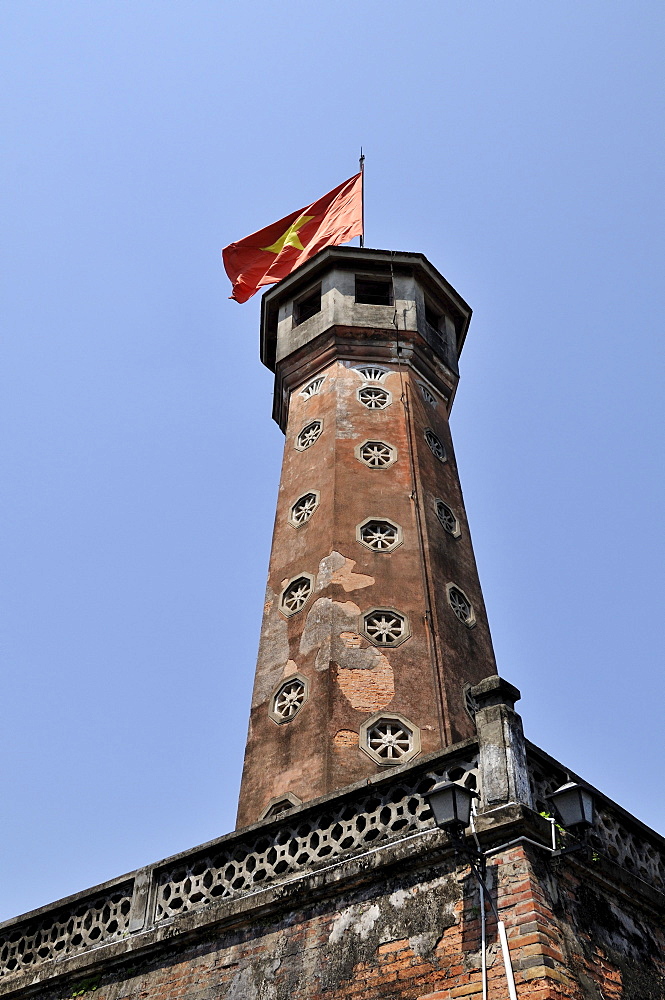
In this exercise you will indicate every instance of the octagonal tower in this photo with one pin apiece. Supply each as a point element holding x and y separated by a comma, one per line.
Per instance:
<point>374,624</point>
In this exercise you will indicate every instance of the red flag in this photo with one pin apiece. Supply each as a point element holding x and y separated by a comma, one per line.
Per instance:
<point>269,255</point>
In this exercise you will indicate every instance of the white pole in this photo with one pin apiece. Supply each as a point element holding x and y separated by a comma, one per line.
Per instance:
<point>507,964</point>
<point>483,939</point>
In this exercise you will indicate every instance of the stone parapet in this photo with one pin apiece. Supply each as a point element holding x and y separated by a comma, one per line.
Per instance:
<point>384,809</point>
<point>365,873</point>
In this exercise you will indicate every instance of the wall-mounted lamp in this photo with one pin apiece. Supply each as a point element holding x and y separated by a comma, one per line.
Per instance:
<point>451,806</point>
<point>574,805</point>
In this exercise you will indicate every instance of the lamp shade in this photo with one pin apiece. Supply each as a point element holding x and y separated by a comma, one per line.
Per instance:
<point>573,804</point>
<point>450,804</point>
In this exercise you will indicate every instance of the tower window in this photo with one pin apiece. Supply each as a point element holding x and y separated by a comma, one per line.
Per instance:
<point>280,805</point>
<point>288,699</point>
<point>426,394</point>
<point>373,397</point>
<point>374,291</point>
<point>385,627</point>
<point>389,739</point>
<point>313,388</point>
<point>379,535</point>
<point>461,605</point>
<point>303,508</point>
<point>372,373</point>
<point>470,704</point>
<point>295,595</point>
<point>447,518</point>
<point>309,435</point>
<point>376,454</point>
<point>435,445</point>
<point>306,306</point>
<point>432,316</point>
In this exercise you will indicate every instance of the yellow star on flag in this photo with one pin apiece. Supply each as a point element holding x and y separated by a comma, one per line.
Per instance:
<point>290,237</point>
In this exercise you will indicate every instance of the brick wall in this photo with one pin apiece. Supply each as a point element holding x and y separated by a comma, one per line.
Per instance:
<point>411,935</point>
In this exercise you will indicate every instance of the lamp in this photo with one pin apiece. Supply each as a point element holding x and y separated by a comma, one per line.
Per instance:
<point>573,804</point>
<point>451,806</point>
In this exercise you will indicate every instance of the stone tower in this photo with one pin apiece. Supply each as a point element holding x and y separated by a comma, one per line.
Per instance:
<point>374,625</point>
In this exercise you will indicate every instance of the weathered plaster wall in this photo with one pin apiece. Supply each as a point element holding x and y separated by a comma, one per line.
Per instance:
<point>413,936</point>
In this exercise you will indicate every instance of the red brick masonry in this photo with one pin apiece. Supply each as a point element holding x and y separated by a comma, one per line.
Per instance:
<point>415,936</point>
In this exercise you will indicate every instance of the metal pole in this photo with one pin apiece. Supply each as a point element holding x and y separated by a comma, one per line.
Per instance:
<point>362,194</point>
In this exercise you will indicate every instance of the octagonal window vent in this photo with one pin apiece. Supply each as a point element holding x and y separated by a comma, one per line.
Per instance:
<point>470,703</point>
<point>303,508</point>
<point>376,454</point>
<point>379,534</point>
<point>374,397</point>
<point>447,518</point>
<point>385,627</point>
<point>389,739</point>
<point>461,605</point>
<point>296,594</point>
<point>280,805</point>
<point>436,446</point>
<point>288,699</point>
<point>309,435</point>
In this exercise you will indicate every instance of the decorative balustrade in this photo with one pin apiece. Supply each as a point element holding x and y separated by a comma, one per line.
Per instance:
<point>616,833</point>
<point>309,838</point>
<point>67,930</point>
<point>336,829</point>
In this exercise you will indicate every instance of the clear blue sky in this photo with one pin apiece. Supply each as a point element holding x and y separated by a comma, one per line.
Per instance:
<point>519,145</point>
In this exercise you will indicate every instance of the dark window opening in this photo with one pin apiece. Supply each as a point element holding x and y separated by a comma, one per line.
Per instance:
<point>374,291</point>
<point>432,316</point>
<point>307,306</point>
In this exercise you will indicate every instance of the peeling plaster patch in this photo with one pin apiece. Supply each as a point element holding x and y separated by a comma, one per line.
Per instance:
<point>360,924</point>
<point>421,914</point>
<point>243,985</point>
<point>290,668</point>
<point>337,569</point>
<point>354,659</point>
<point>273,652</point>
<point>398,898</point>
<point>345,738</point>
<point>425,939</point>
<point>317,630</point>
<point>370,690</point>
<point>348,608</point>
<point>327,567</point>
<point>326,622</point>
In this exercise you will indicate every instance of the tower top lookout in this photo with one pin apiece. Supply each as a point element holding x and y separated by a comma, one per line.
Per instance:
<point>353,302</point>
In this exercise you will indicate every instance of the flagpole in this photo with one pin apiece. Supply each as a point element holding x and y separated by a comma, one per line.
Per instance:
<point>362,189</point>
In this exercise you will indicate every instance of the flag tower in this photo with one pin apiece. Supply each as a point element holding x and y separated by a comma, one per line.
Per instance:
<point>374,625</point>
<point>376,706</point>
